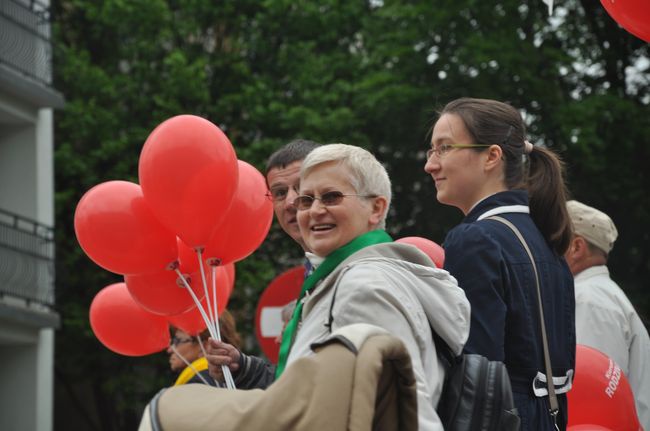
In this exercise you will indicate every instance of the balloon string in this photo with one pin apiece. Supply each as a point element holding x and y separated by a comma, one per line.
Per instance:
<point>197,302</point>
<point>188,364</point>
<point>205,354</point>
<point>214,298</point>
<point>199,254</point>
<point>198,337</point>
<point>230,382</point>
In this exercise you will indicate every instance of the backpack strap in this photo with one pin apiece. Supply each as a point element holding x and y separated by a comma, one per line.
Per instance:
<point>330,317</point>
<point>554,406</point>
<point>443,350</point>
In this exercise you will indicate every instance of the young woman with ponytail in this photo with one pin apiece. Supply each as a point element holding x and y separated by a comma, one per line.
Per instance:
<point>481,163</point>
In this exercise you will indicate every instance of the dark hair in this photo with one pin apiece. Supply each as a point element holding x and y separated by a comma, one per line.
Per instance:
<point>493,122</point>
<point>292,152</point>
<point>228,329</point>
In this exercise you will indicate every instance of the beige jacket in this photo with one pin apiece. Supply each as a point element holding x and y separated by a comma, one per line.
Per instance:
<point>360,378</point>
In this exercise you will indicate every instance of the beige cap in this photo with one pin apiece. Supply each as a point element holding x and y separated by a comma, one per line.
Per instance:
<point>595,226</point>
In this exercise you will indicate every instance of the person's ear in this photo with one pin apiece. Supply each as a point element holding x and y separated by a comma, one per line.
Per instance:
<point>568,254</point>
<point>379,208</point>
<point>494,157</point>
<point>580,247</point>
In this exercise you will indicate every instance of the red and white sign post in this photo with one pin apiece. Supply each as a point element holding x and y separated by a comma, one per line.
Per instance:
<point>268,318</point>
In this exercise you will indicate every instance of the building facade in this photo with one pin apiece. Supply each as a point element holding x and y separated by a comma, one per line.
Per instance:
<point>27,315</point>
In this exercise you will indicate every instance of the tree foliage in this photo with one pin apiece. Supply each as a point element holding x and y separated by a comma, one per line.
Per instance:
<point>370,73</point>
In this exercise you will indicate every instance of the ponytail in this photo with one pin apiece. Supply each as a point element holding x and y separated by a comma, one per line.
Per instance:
<point>548,194</point>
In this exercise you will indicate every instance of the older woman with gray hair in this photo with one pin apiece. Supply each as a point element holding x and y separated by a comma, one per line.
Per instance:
<point>362,276</point>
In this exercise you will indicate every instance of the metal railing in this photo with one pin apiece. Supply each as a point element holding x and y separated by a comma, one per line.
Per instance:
<point>25,36</point>
<point>26,258</point>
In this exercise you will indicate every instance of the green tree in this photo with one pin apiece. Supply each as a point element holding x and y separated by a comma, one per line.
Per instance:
<point>370,73</point>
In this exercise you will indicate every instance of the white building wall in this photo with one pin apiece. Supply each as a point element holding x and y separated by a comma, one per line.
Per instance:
<point>27,378</point>
<point>18,170</point>
<point>45,167</point>
<point>18,146</point>
<point>18,376</point>
<point>26,189</point>
<point>45,380</point>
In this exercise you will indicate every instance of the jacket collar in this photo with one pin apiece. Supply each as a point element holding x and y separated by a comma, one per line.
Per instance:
<point>592,271</point>
<point>509,197</point>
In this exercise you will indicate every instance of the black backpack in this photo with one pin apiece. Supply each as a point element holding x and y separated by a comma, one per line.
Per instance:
<point>476,394</point>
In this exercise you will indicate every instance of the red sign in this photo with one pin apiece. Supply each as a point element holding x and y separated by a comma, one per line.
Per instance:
<point>268,318</point>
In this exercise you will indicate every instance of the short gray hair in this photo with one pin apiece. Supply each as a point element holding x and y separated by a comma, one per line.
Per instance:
<point>367,175</point>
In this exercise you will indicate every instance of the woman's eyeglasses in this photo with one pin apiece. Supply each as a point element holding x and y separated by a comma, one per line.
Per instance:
<point>176,341</point>
<point>442,150</point>
<point>328,199</point>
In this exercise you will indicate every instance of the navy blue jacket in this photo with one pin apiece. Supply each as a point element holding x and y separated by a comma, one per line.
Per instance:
<point>494,270</point>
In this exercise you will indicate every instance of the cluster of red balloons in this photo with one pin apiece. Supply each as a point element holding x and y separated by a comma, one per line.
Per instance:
<point>196,211</point>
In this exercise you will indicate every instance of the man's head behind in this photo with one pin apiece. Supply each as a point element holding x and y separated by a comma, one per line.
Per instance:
<point>294,151</point>
<point>283,179</point>
<point>593,225</point>
<point>594,234</point>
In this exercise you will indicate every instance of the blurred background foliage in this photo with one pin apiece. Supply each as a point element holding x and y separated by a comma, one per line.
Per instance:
<point>369,73</point>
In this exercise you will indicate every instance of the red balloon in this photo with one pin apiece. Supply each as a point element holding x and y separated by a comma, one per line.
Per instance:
<point>125,327</point>
<point>192,321</point>
<point>268,323</point>
<point>632,15</point>
<point>230,270</point>
<point>187,257</point>
<point>188,171</point>
<point>428,247</point>
<point>601,394</point>
<point>587,427</point>
<point>163,292</point>
<point>247,222</point>
<point>117,230</point>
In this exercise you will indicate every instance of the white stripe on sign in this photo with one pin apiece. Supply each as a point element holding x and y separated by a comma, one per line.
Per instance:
<point>271,321</point>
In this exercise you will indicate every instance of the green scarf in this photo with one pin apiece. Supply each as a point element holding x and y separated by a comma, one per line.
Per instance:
<point>329,264</point>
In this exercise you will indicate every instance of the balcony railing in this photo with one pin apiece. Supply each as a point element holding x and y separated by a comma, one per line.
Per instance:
<point>26,259</point>
<point>25,38</point>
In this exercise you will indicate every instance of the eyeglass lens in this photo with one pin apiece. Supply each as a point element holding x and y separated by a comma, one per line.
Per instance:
<point>327,199</point>
<point>439,151</point>
<point>176,341</point>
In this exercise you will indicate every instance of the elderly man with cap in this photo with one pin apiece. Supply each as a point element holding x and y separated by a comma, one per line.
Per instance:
<point>605,318</point>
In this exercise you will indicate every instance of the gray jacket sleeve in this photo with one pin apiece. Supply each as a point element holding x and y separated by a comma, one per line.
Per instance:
<point>254,373</point>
